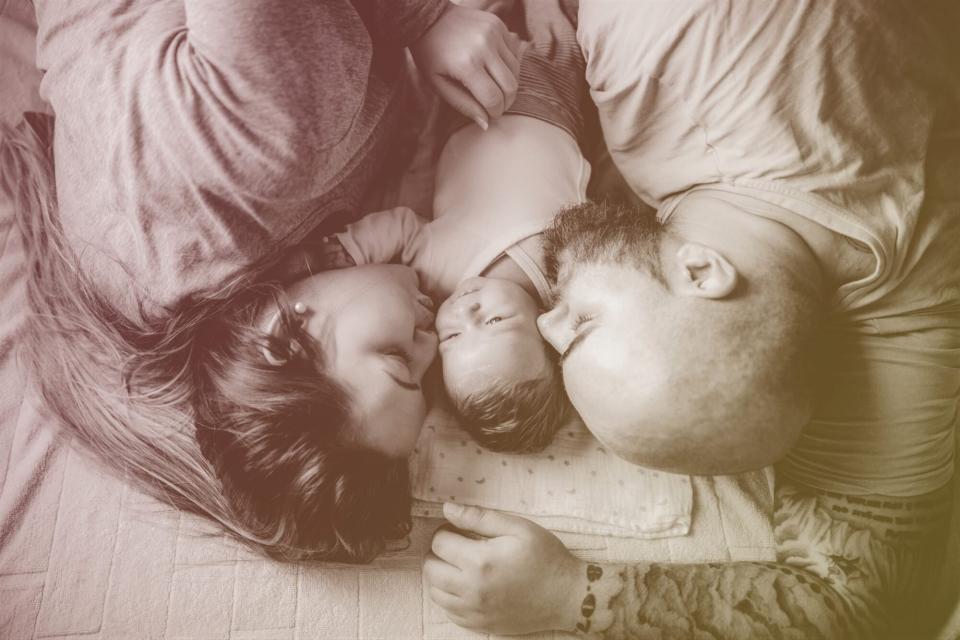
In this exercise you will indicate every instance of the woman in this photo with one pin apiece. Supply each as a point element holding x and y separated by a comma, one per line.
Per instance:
<point>287,424</point>
<point>195,142</point>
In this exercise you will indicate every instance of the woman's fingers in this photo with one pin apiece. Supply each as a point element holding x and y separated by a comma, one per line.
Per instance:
<point>510,49</point>
<point>506,79</point>
<point>461,100</point>
<point>485,89</point>
<point>471,59</point>
<point>515,42</point>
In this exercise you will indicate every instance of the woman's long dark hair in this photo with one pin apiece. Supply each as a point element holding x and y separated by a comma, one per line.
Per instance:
<point>185,404</point>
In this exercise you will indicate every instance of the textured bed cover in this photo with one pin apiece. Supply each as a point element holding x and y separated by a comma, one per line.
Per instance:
<point>83,555</point>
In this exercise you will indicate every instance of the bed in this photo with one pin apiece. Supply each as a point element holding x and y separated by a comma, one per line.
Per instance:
<point>85,555</point>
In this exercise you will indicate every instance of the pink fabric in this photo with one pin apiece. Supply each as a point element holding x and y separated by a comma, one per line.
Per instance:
<point>193,138</point>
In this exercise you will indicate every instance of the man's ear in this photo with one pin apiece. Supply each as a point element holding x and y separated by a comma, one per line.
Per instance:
<point>704,272</point>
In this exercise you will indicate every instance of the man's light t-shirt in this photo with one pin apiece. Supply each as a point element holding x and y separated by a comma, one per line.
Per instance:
<point>837,111</point>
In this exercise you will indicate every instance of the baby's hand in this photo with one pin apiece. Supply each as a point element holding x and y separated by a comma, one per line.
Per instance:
<point>310,258</point>
<point>472,61</point>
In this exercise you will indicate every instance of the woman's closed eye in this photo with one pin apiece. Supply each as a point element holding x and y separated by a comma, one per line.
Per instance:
<point>449,336</point>
<point>400,354</point>
<point>403,357</point>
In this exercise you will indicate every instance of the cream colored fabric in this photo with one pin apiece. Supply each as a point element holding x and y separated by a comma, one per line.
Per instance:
<point>574,485</point>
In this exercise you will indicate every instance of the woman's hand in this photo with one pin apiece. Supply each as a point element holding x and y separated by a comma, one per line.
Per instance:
<point>472,61</point>
<point>546,23</point>
<point>502,574</point>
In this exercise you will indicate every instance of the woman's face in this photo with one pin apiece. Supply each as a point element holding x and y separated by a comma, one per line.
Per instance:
<point>376,330</point>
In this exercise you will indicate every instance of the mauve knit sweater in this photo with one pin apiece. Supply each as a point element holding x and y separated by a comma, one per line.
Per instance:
<point>195,136</point>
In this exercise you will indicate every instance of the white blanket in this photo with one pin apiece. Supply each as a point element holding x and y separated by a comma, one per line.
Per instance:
<point>574,485</point>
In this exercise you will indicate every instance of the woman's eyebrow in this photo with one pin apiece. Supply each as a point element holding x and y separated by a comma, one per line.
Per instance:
<point>409,386</point>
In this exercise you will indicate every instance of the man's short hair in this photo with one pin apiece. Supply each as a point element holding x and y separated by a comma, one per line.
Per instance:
<point>603,232</point>
<point>517,417</point>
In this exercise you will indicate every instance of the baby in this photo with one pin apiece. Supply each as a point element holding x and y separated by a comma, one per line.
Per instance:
<point>496,191</point>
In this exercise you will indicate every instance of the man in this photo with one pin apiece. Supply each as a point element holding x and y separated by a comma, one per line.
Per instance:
<point>801,275</point>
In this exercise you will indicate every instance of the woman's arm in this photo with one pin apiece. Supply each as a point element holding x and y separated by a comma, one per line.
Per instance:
<point>195,137</point>
<point>847,567</point>
<point>400,22</point>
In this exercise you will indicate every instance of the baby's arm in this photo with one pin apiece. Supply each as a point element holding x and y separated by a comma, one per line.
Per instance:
<point>393,235</point>
<point>382,237</point>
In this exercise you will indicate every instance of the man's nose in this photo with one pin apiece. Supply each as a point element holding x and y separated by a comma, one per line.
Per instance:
<point>550,329</point>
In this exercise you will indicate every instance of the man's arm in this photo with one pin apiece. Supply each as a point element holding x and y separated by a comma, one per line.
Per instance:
<point>847,567</point>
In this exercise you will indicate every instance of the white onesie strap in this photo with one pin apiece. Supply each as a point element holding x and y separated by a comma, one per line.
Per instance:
<point>530,267</point>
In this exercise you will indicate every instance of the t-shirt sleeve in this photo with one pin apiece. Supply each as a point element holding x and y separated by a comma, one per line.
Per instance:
<point>393,235</point>
<point>401,22</point>
<point>238,79</point>
<point>195,137</point>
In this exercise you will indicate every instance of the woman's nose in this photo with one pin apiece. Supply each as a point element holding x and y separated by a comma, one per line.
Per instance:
<point>550,328</point>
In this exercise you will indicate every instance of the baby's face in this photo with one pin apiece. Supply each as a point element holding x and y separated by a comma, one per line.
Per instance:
<point>488,332</point>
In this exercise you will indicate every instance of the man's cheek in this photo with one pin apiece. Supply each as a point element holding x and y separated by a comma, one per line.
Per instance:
<point>585,399</point>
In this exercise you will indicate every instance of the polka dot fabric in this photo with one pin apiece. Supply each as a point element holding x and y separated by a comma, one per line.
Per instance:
<point>574,485</point>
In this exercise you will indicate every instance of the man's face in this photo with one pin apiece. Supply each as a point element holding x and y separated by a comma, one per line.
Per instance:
<point>605,326</point>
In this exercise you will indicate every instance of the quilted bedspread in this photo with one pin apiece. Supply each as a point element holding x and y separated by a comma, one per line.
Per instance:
<point>84,555</point>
